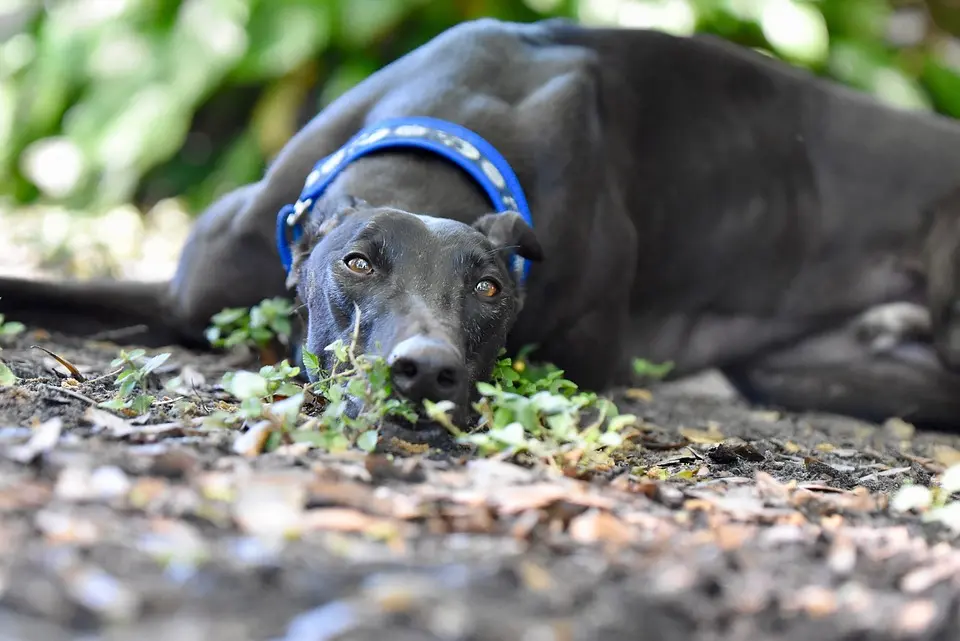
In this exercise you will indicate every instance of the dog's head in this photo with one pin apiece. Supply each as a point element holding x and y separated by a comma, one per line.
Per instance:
<point>435,297</point>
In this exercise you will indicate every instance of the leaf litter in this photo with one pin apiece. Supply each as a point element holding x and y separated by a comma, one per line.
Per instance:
<point>714,521</point>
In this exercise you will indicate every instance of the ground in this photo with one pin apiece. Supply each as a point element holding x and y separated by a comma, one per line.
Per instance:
<point>724,522</point>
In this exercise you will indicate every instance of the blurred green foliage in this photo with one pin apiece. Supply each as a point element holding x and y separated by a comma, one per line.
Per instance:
<point>113,101</point>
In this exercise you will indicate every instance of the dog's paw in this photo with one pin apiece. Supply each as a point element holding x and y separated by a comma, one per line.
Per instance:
<point>888,326</point>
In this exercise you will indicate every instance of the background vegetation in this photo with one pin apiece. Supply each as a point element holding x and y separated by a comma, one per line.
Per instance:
<point>104,102</point>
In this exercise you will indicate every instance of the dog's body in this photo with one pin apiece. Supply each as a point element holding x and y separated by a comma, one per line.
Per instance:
<point>695,202</point>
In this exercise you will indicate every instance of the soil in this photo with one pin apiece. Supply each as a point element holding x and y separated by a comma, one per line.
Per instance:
<point>724,522</point>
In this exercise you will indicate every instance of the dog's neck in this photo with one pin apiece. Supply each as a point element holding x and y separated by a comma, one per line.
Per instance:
<point>397,178</point>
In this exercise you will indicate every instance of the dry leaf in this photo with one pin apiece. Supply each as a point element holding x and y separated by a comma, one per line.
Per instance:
<point>946,455</point>
<point>252,442</point>
<point>270,507</point>
<point>899,429</point>
<point>339,519</point>
<point>104,420</point>
<point>512,500</point>
<point>922,579</point>
<point>599,525</point>
<point>771,489</point>
<point>45,437</point>
<point>708,436</point>
<point>817,602</point>
<point>732,536</point>
<point>638,394</point>
<point>535,577</point>
<point>916,617</point>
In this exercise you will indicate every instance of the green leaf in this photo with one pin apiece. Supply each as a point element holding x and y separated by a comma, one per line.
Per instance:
<point>311,361</point>
<point>288,409</point>
<point>7,377</point>
<point>245,385</point>
<point>368,440</point>
<point>486,389</point>
<point>12,328</point>
<point>512,434</point>
<point>154,363</point>
<point>229,316</point>
<point>142,403</point>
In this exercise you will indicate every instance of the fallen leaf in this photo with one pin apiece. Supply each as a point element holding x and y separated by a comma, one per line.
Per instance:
<point>704,437</point>
<point>103,593</point>
<point>732,536</point>
<point>599,525</point>
<point>60,528</point>
<point>104,420</point>
<point>790,447</point>
<point>534,577</point>
<point>339,519</point>
<point>916,617</point>
<point>70,367</point>
<point>45,437</point>
<point>946,455</point>
<point>382,501</point>
<point>252,442</point>
<point>816,601</point>
<point>922,579</point>
<point>512,500</point>
<point>842,556</point>
<point>187,381</point>
<point>638,394</point>
<point>899,429</point>
<point>270,507</point>
<point>770,488</point>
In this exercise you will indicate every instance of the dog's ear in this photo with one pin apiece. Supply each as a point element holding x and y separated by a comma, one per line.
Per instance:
<point>325,215</point>
<point>509,231</point>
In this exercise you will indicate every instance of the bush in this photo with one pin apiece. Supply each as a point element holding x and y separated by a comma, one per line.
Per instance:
<point>112,101</point>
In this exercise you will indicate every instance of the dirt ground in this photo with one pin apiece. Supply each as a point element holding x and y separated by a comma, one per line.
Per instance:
<point>725,522</point>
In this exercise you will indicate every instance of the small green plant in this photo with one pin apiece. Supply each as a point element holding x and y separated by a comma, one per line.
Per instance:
<point>355,396</point>
<point>933,502</point>
<point>520,376</point>
<point>256,327</point>
<point>257,390</point>
<point>9,329</point>
<point>527,410</point>
<point>7,377</point>
<point>564,428</point>
<point>358,397</point>
<point>653,371</point>
<point>133,381</point>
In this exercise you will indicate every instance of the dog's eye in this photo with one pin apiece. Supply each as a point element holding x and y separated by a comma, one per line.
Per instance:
<point>487,288</point>
<point>358,264</point>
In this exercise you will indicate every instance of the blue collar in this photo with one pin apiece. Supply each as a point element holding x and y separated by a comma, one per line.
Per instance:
<point>455,143</point>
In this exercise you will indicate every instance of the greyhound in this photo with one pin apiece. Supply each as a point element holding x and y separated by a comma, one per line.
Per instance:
<point>605,194</point>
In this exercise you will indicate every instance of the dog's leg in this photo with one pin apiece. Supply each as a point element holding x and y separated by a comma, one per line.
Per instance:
<point>880,365</point>
<point>227,261</point>
<point>941,260</point>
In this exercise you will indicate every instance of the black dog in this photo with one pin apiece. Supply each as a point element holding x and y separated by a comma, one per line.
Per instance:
<point>691,201</point>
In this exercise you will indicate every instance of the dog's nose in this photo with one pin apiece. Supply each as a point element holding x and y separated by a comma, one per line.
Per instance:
<point>424,368</point>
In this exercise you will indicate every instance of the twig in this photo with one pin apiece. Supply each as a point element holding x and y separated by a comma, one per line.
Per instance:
<point>71,393</point>
<point>107,375</point>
